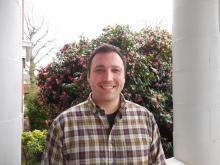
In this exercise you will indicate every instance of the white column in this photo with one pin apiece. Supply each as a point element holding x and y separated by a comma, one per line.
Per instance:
<point>10,82</point>
<point>196,81</point>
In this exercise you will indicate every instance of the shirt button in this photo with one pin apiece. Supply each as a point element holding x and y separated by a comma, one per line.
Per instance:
<point>111,142</point>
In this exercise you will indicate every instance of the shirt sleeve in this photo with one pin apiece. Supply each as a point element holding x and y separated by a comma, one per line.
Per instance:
<point>53,150</point>
<point>156,156</point>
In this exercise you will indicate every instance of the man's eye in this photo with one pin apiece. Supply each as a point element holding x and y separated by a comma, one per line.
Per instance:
<point>116,70</point>
<point>99,70</point>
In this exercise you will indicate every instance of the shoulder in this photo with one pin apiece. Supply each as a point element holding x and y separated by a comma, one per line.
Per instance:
<point>73,113</point>
<point>141,114</point>
<point>131,106</point>
<point>136,111</point>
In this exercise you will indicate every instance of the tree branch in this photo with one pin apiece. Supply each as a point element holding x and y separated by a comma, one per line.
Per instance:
<point>46,44</point>
<point>40,38</point>
<point>46,54</point>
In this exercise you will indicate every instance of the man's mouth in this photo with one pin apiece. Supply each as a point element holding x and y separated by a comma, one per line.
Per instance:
<point>108,86</point>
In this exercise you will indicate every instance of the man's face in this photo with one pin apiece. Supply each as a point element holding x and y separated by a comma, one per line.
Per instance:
<point>106,77</point>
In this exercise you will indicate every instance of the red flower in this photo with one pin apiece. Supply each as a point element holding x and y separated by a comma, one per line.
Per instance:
<point>49,79</point>
<point>61,76</point>
<point>64,49</point>
<point>130,74</point>
<point>70,78</point>
<point>80,77</point>
<point>57,81</point>
<point>84,66</point>
<point>157,84</point>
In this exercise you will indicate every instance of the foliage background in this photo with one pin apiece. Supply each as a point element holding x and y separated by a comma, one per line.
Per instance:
<point>148,80</point>
<point>33,146</point>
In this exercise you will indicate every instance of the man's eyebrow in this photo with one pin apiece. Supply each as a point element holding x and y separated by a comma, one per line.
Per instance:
<point>99,66</point>
<point>112,66</point>
<point>116,66</point>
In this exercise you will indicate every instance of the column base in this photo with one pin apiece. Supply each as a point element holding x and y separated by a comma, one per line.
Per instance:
<point>173,161</point>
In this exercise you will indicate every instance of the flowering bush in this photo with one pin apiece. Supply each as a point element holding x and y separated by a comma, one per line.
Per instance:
<point>63,83</point>
<point>148,81</point>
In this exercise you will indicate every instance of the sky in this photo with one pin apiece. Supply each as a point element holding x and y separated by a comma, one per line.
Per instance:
<point>68,19</point>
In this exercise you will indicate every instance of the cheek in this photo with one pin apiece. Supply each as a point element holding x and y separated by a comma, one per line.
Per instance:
<point>94,80</point>
<point>122,80</point>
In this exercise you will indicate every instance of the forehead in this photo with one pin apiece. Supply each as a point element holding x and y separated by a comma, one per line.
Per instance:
<point>107,59</point>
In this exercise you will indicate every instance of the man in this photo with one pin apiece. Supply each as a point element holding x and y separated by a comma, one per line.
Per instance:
<point>106,128</point>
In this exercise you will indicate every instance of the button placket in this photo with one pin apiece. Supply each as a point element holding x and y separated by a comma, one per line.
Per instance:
<point>110,149</point>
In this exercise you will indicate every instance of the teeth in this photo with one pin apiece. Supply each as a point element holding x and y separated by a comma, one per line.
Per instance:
<point>107,86</point>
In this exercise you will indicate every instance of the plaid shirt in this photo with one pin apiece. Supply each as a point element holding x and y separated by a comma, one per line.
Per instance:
<point>79,135</point>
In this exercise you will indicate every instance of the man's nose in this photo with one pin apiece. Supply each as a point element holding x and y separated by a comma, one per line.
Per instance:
<point>108,75</point>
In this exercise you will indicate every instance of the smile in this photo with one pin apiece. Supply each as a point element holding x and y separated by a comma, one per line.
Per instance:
<point>108,86</point>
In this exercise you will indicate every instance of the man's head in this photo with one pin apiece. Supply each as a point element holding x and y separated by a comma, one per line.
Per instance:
<point>105,48</point>
<point>106,74</point>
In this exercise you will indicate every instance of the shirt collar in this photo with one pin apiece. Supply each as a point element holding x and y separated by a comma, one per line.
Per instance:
<point>95,108</point>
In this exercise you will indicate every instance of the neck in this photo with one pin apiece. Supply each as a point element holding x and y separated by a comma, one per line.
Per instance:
<point>109,106</point>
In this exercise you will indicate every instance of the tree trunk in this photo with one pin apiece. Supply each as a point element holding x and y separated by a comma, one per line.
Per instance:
<point>32,75</point>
